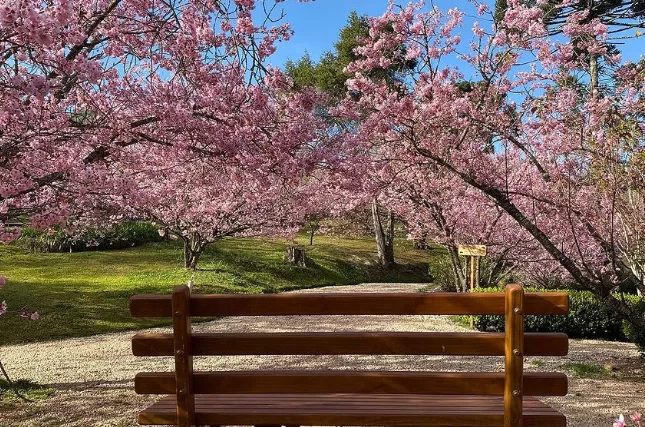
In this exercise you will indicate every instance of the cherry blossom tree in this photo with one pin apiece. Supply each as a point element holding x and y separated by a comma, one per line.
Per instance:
<point>329,76</point>
<point>554,156</point>
<point>201,199</point>
<point>442,209</point>
<point>163,110</point>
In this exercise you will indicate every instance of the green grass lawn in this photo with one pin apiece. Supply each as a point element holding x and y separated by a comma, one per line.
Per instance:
<point>86,293</point>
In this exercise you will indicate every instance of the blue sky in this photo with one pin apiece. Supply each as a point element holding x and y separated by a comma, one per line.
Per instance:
<point>317,23</point>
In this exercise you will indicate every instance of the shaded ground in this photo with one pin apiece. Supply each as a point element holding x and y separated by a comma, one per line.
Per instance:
<point>92,377</point>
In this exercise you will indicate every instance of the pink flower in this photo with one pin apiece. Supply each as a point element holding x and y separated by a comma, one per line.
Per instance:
<point>3,281</point>
<point>3,308</point>
<point>637,417</point>
<point>620,421</point>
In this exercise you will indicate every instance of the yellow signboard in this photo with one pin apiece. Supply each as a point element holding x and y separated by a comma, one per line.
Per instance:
<point>472,250</point>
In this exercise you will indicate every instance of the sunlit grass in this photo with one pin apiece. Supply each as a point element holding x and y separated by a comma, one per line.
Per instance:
<point>586,370</point>
<point>81,294</point>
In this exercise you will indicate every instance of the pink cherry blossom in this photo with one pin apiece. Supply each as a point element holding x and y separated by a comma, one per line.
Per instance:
<point>507,156</point>
<point>167,112</point>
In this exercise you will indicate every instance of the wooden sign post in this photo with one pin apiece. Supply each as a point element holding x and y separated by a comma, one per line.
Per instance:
<point>474,253</point>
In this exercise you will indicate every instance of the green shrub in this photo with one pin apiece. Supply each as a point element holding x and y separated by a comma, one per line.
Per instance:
<point>441,275</point>
<point>125,235</point>
<point>493,273</point>
<point>588,318</point>
<point>634,334</point>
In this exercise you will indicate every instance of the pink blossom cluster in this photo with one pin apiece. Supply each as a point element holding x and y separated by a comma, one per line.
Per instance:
<point>165,111</point>
<point>636,417</point>
<point>512,158</point>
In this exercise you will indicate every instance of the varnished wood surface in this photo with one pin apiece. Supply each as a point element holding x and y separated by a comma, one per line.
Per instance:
<point>378,382</point>
<point>185,402</point>
<point>353,409</point>
<point>295,398</point>
<point>514,356</point>
<point>349,304</point>
<point>320,343</point>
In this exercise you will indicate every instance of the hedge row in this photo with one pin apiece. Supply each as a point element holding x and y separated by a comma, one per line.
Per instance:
<point>588,318</point>
<point>125,235</point>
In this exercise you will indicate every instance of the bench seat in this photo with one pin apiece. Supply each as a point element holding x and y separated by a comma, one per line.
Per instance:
<point>352,409</point>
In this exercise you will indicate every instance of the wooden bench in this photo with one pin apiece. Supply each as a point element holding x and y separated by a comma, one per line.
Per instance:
<point>359,398</point>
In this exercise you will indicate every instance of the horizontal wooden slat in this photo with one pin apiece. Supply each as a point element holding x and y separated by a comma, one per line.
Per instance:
<point>350,409</point>
<point>318,343</point>
<point>348,304</point>
<point>379,382</point>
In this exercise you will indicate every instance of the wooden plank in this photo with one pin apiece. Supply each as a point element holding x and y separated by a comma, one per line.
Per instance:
<point>183,356</point>
<point>348,409</point>
<point>349,304</point>
<point>514,356</point>
<point>369,382</point>
<point>319,343</point>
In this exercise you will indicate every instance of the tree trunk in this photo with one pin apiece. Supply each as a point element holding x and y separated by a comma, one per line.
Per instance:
<point>461,282</point>
<point>296,256</point>
<point>194,247</point>
<point>314,225</point>
<point>593,72</point>
<point>384,237</point>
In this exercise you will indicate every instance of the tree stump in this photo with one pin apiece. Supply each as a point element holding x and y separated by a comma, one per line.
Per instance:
<point>296,256</point>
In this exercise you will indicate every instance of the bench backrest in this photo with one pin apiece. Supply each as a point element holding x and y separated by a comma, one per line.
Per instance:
<point>513,344</point>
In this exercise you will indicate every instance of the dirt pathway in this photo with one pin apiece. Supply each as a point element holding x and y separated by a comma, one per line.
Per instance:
<point>93,376</point>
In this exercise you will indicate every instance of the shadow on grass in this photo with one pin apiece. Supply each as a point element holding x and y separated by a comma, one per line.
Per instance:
<point>83,294</point>
<point>29,389</point>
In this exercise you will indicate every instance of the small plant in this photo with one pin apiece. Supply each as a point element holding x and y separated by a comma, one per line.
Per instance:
<point>538,362</point>
<point>586,370</point>
<point>636,417</point>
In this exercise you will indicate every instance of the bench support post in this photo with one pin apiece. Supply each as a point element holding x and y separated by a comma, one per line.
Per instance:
<point>513,356</point>
<point>183,356</point>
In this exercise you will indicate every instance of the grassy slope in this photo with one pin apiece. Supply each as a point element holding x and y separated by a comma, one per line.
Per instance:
<point>86,293</point>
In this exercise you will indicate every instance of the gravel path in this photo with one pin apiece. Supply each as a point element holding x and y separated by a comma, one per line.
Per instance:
<point>93,376</point>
